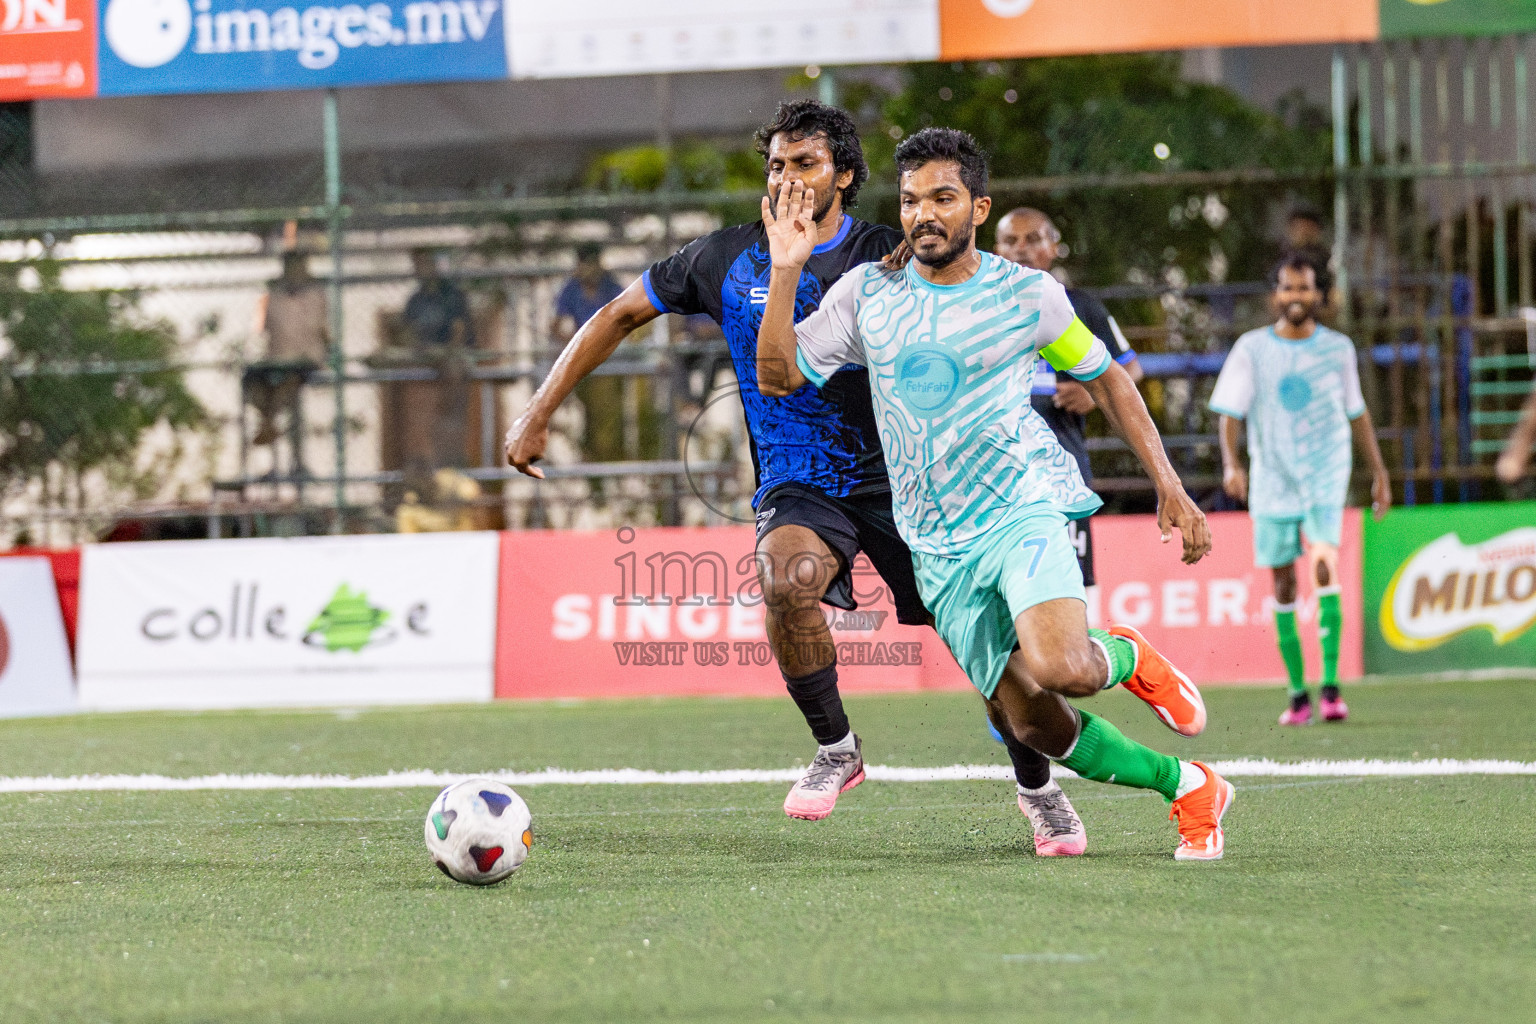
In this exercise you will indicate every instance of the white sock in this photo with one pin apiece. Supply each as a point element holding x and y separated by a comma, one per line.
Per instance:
<point>842,746</point>
<point>1191,778</point>
<point>1049,787</point>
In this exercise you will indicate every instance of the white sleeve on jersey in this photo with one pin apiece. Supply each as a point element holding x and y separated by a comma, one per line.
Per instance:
<point>829,338</point>
<point>1233,395</point>
<point>1354,401</point>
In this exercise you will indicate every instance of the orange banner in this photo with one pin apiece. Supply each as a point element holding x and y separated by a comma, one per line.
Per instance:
<point>47,49</point>
<point>980,29</point>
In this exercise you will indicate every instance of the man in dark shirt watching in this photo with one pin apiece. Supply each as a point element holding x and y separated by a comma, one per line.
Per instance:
<point>1027,237</point>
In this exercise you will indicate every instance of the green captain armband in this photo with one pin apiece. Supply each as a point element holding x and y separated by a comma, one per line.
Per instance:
<point>1068,350</point>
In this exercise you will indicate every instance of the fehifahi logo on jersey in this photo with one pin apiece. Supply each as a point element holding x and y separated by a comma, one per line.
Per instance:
<point>233,45</point>
<point>1447,587</point>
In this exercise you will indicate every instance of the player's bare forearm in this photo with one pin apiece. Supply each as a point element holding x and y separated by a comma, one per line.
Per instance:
<point>777,372</point>
<point>592,345</point>
<point>1115,393</point>
<point>1381,482</point>
<point>1227,430</point>
<point>1234,478</point>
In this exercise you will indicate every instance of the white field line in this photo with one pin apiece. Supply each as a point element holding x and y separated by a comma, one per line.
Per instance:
<point>1241,768</point>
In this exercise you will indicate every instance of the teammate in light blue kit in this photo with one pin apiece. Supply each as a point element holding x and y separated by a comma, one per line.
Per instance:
<point>982,490</point>
<point>1298,386</point>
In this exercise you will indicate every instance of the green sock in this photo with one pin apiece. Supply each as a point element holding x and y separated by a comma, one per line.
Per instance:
<point>1330,623</point>
<point>1290,648</point>
<point>1104,754</point>
<point>1121,654</point>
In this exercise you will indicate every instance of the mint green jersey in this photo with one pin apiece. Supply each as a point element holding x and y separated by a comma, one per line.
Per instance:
<point>950,372</point>
<point>1298,398</point>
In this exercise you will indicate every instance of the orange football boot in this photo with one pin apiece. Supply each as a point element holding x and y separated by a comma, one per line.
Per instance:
<point>1199,814</point>
<point>1158,682</point>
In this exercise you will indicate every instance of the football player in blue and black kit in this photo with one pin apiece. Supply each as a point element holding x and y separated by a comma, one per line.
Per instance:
<point>823,494</point>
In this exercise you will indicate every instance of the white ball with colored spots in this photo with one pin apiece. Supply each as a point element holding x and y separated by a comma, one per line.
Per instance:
<point>479,831</point>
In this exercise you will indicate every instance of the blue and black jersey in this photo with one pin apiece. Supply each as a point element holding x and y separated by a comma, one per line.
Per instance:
<point>823,438</point>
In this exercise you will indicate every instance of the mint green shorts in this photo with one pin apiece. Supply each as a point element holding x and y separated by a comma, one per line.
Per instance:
<point>1277,541</point>
<point>975,598</point>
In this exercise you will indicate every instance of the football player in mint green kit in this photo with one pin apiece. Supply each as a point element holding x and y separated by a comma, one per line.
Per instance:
<point>1298,386</point>
<point>982,491</point>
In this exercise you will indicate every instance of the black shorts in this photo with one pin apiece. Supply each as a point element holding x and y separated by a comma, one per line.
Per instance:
<point>850,525</point>
<point>1081,538</point>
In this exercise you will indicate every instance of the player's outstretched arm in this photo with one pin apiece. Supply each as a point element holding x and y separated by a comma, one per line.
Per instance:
<point>1381,482</point>
<point>791,240</point>
<point>594,342</point>
<point>1115,393</point>
<point>1234,478</point>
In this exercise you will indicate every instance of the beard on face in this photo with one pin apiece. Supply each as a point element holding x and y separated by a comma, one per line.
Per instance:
<point>949,253</point>
<point>1298,313</point>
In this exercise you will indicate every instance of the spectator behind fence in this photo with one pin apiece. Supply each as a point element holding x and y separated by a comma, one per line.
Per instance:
<point>439,331</point>
<point>292,314</point>
<point>588,290</point>
<point>437,315</point>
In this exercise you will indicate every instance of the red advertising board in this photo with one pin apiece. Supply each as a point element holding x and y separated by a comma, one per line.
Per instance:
<point>571,621</point>
<point>47,49</point>
<point>1214,619</point>
<point>66,578</point>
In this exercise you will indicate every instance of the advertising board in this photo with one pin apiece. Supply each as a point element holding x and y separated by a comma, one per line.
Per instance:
<point>35,675</point>
<point>983,29</point>
<point>672,611</point>
<point>47,49</point>
<point>1408,19</point>
<point>302,621</point>
<point>650,612</point>
<point>613,37</point>
<point>182,46</point>
<point>1451,588</point>
<point>1215,619</point>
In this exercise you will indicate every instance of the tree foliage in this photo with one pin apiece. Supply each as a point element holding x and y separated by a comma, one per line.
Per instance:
<point>1114,114</point>
<point>82,380</point>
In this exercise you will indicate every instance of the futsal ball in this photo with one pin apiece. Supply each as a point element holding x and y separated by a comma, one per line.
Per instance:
<point>479,831</point>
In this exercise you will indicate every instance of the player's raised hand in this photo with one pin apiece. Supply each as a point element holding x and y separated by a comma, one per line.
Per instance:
<point>526,440</point>
<point>790,225</point>
<point>1177,511</point>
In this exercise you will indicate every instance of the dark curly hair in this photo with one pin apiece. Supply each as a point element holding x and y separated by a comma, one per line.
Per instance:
<point>932,144</point>
<point>807,119</point>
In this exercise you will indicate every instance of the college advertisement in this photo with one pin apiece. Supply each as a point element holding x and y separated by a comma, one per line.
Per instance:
<point>669,611</point>
<point>303,621</point>
<point>1451,588</point>
<point>35,674</point>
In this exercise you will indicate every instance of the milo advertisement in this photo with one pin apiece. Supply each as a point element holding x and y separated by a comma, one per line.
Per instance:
<point>1451,588</point>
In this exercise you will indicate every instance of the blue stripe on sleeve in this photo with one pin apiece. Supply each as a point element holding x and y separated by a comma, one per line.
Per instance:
<point>810,371</point>
<point>1226,412</point>
<point>650,293</point>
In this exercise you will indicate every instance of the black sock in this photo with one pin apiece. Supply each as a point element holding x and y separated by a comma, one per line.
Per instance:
<point>1329,692</point>
<point>820,703</point>
<point>1031,768</point>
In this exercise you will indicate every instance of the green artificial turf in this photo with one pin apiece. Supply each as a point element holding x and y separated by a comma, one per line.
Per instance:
<point>1340,899</point>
